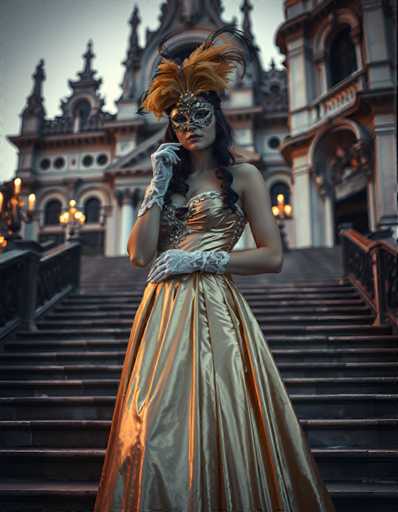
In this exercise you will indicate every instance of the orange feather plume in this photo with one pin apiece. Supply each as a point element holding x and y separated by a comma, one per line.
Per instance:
<point>207,68</point>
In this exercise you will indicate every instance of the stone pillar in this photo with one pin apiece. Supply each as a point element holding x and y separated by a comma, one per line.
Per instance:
<point>329,222</point>
<point>126,219</point>
<point>300,82</point>
<point>385,171</point>
<point>302,202</point>
<point>378,63</point>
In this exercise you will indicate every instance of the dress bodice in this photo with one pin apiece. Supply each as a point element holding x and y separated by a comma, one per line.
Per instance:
<point>203,224</point>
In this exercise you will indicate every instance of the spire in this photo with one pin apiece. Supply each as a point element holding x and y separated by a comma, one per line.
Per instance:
<point>34,103</point>
<point>88,73</point>
<point>246,23</point>
<point>87,79</point>
<point>134,21</point>
<point>133,59</point>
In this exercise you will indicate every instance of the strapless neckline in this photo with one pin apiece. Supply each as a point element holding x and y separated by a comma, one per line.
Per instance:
<point>205,193</point>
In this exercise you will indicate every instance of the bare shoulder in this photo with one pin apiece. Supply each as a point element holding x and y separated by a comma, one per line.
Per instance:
<point>246,176</point>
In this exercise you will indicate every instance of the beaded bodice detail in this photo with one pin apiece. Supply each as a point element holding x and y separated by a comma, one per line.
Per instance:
<point>204,223</point>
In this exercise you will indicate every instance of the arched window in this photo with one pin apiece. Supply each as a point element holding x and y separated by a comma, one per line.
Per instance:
<point>342,60</point>
<point>81,114</point>
<point>280,188</point>
<point>92,208</point>
<point>52,211</point>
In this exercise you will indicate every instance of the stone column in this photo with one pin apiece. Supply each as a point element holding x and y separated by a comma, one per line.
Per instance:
<point>302,202</point>
<point>379,64</point>
<point>385,170</point>
<point>301,83</point>
<point>126,219</point>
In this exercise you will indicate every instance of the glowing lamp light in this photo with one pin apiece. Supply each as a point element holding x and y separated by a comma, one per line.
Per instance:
<point>3,242</point>
<point>31,202</point>
<point>17,185</point>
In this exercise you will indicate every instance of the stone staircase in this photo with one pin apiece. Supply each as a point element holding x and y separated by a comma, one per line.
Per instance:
<point>58,386</point>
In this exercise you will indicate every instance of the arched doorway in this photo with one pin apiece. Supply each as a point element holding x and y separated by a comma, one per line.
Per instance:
<point>342,164</point>
<point>351,211</point>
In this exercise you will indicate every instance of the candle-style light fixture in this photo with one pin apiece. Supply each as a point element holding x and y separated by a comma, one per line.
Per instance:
<point>281,212</point>
<point>13,211</point>
<point>72,220</point>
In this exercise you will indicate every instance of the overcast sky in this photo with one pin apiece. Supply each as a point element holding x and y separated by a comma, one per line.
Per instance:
<point>58,31</point>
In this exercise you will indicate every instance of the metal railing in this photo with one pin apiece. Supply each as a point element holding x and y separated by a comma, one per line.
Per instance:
<point>30,283</point>
<point>372,267</point>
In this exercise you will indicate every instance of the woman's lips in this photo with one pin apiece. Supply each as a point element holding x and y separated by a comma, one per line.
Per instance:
<point>193,138</point>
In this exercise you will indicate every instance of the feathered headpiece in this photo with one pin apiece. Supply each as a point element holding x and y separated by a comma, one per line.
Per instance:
<point>207,68</point>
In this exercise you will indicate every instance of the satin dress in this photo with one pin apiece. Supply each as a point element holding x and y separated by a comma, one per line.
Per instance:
<point>202,420</point>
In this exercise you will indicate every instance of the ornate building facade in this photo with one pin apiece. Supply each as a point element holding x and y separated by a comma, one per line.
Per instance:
<point>102,160</point>
<point>341,64</point>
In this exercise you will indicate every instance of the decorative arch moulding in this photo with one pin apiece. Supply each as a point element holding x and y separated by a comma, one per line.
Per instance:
<point>305,22</point>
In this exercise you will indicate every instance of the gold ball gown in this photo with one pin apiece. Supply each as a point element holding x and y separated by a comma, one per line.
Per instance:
<point>202,420</point>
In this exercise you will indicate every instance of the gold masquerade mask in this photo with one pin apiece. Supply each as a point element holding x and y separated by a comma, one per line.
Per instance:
<point>178,86</point>
<point>191,112</point>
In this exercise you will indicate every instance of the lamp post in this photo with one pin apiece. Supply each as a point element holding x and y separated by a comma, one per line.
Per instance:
<point>13,213</point>
<point>72,219</point>
<point>282,211</point>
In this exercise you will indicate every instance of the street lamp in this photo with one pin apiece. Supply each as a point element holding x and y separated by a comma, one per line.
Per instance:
<point>72,219</point>
<point>282,211</point>
<point>12,213</point>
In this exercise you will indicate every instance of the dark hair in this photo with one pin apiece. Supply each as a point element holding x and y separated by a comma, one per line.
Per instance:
<point>221,152</point>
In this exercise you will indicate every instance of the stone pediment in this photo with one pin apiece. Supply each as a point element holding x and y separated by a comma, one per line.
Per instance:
<point>139,157</point>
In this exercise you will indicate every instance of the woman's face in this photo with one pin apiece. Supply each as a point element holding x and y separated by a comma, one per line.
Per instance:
<point>194,123</point>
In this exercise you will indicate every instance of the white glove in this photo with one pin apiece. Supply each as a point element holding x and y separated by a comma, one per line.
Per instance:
<point>178,261</point>
<point>162,166</point>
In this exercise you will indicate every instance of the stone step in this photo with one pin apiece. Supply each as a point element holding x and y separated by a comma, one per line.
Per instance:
<point>286,287</point>
<point>339,385</point>
<point>280,355</point>
<point>258,295</point>
<point>25,495</point>
<point>247,290</point>
<point>327,433</point>
<point>277,342</point>
<point>101,386</point>
<point>101,407</point>
<point>128,312</point>
<point>255,305</point>
<point>338,369</point>
<point>268,330</point>
<point>92,371</point>
<point>268,320</point>
<point>350,465</point>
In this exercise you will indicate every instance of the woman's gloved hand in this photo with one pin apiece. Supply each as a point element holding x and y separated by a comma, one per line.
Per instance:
<point>162,160</point>
<point>178,261</point>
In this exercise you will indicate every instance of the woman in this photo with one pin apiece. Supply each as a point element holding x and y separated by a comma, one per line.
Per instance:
<point>202,421</point>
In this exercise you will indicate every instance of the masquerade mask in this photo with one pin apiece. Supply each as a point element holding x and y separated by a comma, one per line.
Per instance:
<point>207,68</point>
<point>191,112</point>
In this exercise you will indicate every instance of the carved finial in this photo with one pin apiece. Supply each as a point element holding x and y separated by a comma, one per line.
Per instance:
<point>38,77</point>
<point>133,59</point>
<point>34,102</point>
<point>88,56</point>
<point>134,21</point>
<point>246,23</point>
<point>88,72</point>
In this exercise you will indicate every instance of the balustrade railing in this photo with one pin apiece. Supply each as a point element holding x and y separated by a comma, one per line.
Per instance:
<point>31,282</point>
<point>372,267</point>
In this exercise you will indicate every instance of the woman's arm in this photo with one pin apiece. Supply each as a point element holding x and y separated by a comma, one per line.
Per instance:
<point>143,239</point>
<point>268,256</point>
<point>144,236</point>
